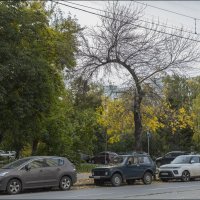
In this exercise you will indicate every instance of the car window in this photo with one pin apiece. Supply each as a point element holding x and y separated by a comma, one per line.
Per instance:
<point>38,164</point>
<point>195,159</point>
<point>52,162</point>
<point>132,160</point>
<point>118,160</point>
<point>181,160</point>
<point>59,161</point>
<point>168,155</point>
<point>16,163</point>
<point>144,160</point>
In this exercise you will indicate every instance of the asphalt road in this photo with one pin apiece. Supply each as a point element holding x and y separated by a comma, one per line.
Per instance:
<point>157,190</point>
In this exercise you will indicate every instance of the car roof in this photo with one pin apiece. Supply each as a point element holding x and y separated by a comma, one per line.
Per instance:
<point>136,154</point>
<point>177,152</point>
<point>190,155</point>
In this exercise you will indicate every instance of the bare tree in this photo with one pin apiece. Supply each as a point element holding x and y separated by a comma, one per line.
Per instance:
<point>124,41</point>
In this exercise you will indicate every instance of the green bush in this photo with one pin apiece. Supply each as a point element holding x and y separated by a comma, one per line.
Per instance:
<point>86,167</point>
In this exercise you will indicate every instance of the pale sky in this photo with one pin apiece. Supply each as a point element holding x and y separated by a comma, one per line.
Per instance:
<point>190,8</point>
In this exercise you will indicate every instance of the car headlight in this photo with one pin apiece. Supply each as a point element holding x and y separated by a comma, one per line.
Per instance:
<point>3,173</point>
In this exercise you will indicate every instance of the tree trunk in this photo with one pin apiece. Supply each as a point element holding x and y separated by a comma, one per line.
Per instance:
<point>34,147</point>
<point>138,122</point>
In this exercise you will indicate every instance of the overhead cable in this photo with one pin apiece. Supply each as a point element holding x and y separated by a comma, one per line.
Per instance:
<point>162,25</point>
<point>140,26</point>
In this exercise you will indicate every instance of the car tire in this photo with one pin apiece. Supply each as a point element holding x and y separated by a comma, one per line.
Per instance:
<point>65,183</point>
<point>147,178</point>
<point>14,186</point>
<point>116,180</point>
<point>98,182</point>
<point>130,182</point>
<point>185,176</point>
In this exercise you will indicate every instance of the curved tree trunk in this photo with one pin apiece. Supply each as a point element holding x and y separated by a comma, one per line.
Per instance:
<point>34,147</point>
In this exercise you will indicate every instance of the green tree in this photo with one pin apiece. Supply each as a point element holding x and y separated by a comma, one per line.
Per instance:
<point>35,48</point>
<point>86,99</point>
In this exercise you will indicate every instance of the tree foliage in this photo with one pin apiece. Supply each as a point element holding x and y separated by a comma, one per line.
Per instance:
<point>123,42</point>
<point>34,50</point>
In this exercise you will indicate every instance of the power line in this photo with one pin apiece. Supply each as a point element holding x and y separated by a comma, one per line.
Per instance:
<point>140,26</point>
<point>162,25</point>
<point>166,10</point>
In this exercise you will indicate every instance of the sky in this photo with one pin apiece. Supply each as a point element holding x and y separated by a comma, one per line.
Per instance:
<point>189,8</point>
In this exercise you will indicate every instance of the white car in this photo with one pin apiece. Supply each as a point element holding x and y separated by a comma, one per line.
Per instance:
<point>183,167</point>
<point>8,154</point>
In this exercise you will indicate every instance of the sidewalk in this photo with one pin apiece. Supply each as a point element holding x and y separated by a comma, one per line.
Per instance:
<point>83,181</point>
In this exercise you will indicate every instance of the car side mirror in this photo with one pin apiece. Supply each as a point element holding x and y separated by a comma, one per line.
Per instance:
<point>27,167</point>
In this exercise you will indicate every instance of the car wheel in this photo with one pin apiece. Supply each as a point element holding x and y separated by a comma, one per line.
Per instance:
<point>130,182</point>
<point>98,182</point>
<point>65,183</point>
<point>147,178</point>
<point>14,186</point>
<point>116,180</point>
<point>185,176</point>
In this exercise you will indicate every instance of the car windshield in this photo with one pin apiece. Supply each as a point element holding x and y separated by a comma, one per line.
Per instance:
<point>118,160</point>
<point>181,160</point>
<point>16,163</point>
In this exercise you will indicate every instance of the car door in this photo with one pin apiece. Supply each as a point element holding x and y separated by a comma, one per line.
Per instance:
<point>132,169</point>
<point>53,171</point>
<point>35,176</point>
<point>194,166</point>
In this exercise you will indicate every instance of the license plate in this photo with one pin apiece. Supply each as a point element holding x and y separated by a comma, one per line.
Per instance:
<point>96,177</point>
<point>164,173</point>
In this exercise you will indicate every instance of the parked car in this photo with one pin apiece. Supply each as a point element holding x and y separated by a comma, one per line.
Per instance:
<point>37,172</point>
<point>7,154</point>
<point>103,157</point>
<point>169,157</point>
<point>126,168</point>
<point>183,167</point>
<point>85,157</point>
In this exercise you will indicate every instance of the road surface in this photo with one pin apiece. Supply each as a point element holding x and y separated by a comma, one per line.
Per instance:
<point>157,190</point>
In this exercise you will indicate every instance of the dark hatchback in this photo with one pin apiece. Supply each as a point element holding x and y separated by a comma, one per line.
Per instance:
<point>104,157</point>
<point>37,172</point>
<point>126,168</point>
<point>169,157</point>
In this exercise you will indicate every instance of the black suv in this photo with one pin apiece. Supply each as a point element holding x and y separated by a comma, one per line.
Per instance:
<point>167,158</point>
<point>125,168</point>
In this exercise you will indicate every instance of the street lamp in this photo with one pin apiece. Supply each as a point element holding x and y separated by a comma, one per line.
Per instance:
<point>148,137</point>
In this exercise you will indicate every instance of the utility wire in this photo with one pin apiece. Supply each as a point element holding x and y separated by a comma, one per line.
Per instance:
<point>162,25</point>
<point>166,10</point>
<point>140,26</point>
